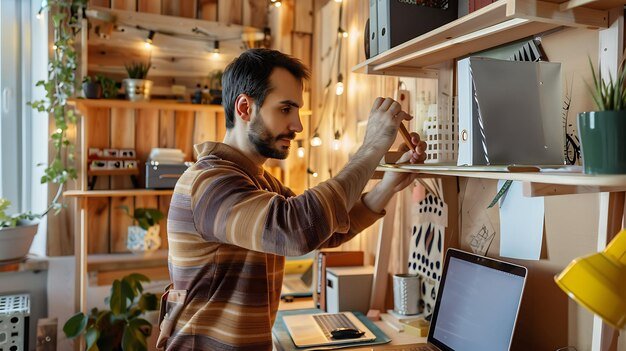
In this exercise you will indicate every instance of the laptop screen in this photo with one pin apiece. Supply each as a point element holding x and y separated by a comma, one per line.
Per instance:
<point>477,303</point>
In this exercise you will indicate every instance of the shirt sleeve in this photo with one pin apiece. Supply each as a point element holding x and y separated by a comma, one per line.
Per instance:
<point>228,207</point>
<point>361,217</point>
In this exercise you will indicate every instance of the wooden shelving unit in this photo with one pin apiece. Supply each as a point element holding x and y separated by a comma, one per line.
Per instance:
<point>167,105</point>
<point>500,23</point>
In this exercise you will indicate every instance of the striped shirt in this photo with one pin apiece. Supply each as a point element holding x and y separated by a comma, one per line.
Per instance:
<point>229,226</point>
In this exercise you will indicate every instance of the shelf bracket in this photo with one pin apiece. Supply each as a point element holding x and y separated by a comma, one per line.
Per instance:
<point>548,12</point>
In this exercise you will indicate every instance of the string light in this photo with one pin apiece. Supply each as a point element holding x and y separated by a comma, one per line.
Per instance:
<point>300,149</point>
<point>338,1</point>
<point>148,42</point>
<point>38,15</point>
<point>277,3</point>
<point>316,140</point>
<point>339,85</point>
<point>54,47</point>
<point>312,172</point>
<point>337,141</point>
<point>341,33</point>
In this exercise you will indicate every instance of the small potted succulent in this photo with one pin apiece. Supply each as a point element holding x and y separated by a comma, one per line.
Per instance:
<point>603,132</point>
<point>109,86</point>
<point>123,327</point>
<point>91,88</point>
<point>16,232</point>
<point>137,87</point>
<point>144,237</point>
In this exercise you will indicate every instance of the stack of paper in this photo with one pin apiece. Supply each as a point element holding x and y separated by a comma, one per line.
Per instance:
<point>167,156</point>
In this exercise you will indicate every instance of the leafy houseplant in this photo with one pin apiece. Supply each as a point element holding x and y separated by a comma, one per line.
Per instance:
<point>120,328</point>
<point>16,232</point>
<point>60,85</point>
<point>136,85</point>
<point>603,132</point>
<point>109,86</point>
<point>146,236</point>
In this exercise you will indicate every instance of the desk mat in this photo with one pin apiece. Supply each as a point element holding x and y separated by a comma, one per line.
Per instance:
<point>283,341</point>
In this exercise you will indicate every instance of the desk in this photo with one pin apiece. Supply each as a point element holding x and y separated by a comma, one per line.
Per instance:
<point>396,338</point>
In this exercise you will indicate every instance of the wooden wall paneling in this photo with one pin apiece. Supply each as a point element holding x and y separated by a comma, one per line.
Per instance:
<point>207,10</point>
<point>164,206</point>
<point>301,47</point>
<point>98,136</point>
<point>100,3</point>
<point>183,138</point>
<point>127,5</point>
<point>149,6</point>
<point>122,136</point>
<point>230,11</point>
<point>204,128</point>
<point>167,127</point>
<point>255,13</point>
<point>180,8</point>
<point>220,126</point>
<point>146,138</point>
<point>303,16</point>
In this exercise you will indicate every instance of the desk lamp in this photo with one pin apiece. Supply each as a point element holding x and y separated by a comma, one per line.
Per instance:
<point>598,282</point>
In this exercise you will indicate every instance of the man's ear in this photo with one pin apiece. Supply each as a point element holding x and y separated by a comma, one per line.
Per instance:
<point>243,107</point>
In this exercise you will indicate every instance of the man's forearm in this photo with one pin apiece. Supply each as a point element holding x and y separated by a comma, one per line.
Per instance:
<point>377,198</point>
<point>355,175</point>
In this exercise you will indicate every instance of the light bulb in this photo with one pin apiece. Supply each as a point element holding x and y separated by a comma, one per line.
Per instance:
<point>59,130</point>
<point>316,140</point>
<point>337,141</point>
<point>277,3</point>
<point>339,88</point>
<point>149,39</point>
<point>338,1</point>
<point>215,55</point>
<point>341,33</point>
<point>38,15</point>
<point>314,174</point>
<point>301,150</point>
<point>147,45</point>
<point>54,47</point>
<point>311,172</point>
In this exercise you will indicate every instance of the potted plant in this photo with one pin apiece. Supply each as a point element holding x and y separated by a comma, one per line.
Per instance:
<point>92,89</point>
<point>146,236</point>
<point>109,86</point>
<point>122,327</point>
<point>603,132</point>
<point>16,232</point>
<point>215,85</point>
<point>137,87</point>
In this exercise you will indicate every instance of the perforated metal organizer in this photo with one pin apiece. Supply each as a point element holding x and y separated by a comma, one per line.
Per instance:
<point>164,175</point>
<point>14,322</point>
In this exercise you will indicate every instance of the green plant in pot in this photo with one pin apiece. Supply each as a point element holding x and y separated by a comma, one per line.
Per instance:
<point>16,232</point>
<point>109,86</point>
<point>122,327</point>
<point>215,84</point>
<point>91,88</point>
<point>137,87</point>
<point>144,237</point>
<point>603,132</point>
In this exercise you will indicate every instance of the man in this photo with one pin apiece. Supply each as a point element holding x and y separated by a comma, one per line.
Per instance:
<point>231,224</point>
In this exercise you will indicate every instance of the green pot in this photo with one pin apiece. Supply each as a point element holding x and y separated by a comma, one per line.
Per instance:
<point>603,141</point>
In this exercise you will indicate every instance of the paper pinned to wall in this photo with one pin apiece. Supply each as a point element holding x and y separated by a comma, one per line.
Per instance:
<point>521,224</point>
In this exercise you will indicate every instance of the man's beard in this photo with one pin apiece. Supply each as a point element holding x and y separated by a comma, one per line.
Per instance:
<point>265,142</point>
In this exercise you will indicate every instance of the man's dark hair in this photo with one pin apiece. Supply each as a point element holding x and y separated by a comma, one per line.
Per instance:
<point>250,74</point>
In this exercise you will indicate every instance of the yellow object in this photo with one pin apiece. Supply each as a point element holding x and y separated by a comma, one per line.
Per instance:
<point>598,282</point>
<point>418,327</point>
<point>297,266</point>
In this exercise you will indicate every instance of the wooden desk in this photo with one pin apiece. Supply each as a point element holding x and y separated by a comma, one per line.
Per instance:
<point>396,338</point>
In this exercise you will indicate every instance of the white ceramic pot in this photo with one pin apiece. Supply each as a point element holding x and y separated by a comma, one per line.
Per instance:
<point>137,89</point>
<point>15,242</point>
<point>140,240</point>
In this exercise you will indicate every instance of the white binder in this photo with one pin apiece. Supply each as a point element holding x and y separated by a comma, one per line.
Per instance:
<point>509,112</point>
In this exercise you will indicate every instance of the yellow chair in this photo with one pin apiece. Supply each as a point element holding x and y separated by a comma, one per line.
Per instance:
<point>598,282</point>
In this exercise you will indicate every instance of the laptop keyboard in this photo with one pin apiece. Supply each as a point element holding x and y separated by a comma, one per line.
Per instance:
<point>330,322</point>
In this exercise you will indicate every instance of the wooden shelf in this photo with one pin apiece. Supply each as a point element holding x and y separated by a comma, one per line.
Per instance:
<point>500,23</point>
<point>112,172</point>
<point>592,4</point>
<point>112,262</point>
<point>117,193</point>
<point>537,183</point>
<point>84,104</point>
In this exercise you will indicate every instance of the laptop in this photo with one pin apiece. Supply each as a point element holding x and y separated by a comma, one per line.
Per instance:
<point>476,308</point>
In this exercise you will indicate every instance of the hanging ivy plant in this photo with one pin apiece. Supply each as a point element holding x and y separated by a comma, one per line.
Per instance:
<point>66,18</point>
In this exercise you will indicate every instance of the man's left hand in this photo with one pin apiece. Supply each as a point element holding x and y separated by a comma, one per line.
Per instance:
<point>396,181</point>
